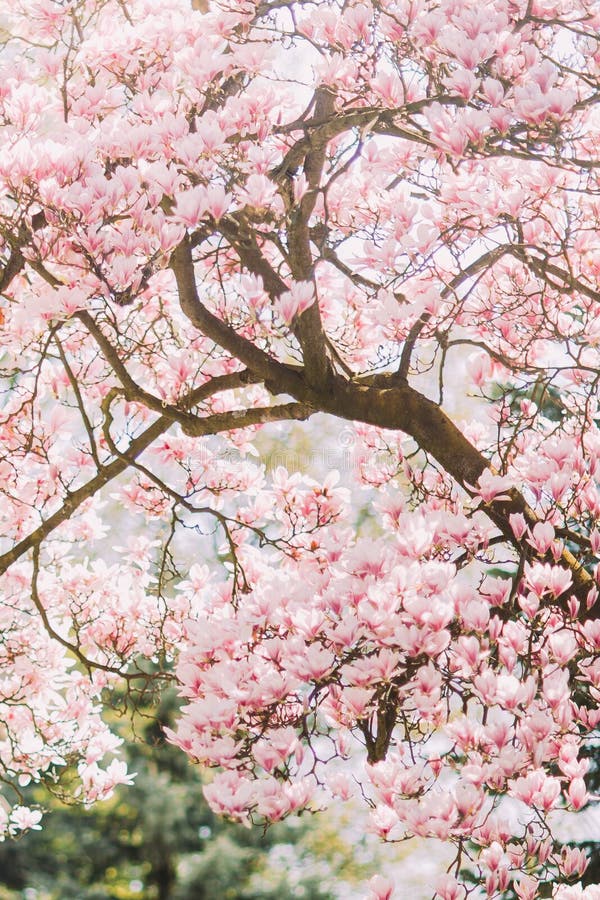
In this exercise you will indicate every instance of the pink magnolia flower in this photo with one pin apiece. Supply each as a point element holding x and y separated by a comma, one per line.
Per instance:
<point>492,486</point>
<point>380,888</point>
<point>448,888</point>
<point>258,192</point>
<point>191,206</point>
<point>574,861</point>
<point>217,201</point>
<point>542,537</point>
<point>294,302</point>
<point>577,793</point>
<point>23,818</point>
<point>231,794</point>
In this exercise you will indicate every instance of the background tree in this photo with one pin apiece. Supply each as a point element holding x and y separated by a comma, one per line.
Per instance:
<point>157,840</point>
<point>218,220</point>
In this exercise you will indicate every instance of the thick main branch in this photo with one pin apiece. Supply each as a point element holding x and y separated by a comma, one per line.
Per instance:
<point>392,404</point>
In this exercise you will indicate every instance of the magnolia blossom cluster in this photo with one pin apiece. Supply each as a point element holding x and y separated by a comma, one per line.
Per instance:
<point>51,706</point>
<point>459,698</point>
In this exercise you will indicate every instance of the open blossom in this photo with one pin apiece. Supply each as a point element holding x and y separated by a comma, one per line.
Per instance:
<point>22,818</point>
<point>294,302</point>
<point>380,888</point>
<point>537,789</point>
<point>448,888</point>
<point>217,201</point>
<point>230,794</point>
<point>191,206</point>
<point>542,537</point>
<point>526,888</point>
<point>492,486</point>
<point>258,192</point>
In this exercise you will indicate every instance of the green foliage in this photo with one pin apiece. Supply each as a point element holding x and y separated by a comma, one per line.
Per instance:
<point>546,397</point>
<point>158,840</point>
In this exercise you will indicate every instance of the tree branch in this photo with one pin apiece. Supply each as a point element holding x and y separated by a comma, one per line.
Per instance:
<point>278,377</point>
<point>392,404</point>
<point>133,391</point>
<point>112,470</point>
<point>309,328</point>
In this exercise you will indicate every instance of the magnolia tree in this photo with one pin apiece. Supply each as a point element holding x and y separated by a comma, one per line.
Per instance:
<point>250,212</point>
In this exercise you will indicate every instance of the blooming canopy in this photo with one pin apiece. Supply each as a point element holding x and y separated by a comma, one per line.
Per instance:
<point>215,219</point>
